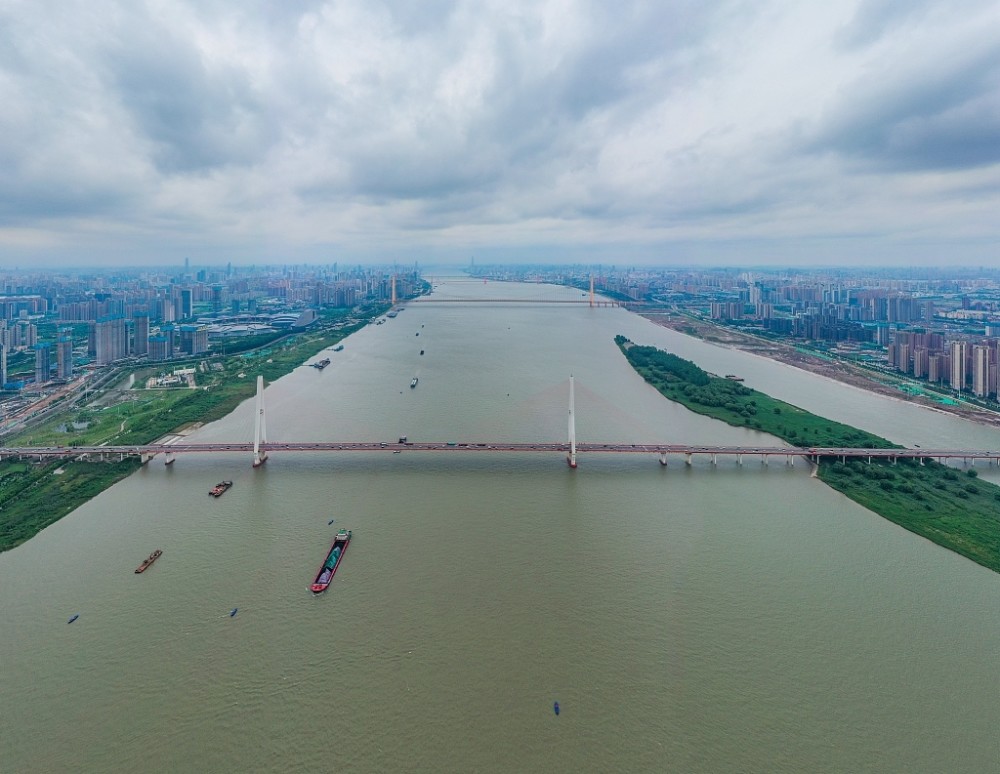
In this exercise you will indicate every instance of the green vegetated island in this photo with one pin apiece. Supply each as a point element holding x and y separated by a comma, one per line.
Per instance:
<point>949,507</point>
<point>35,494</point>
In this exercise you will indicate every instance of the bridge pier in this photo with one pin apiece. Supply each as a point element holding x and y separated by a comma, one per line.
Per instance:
<point>663,459</point>
<point>739,460</point>
<point>790,460</point>
<point>687,459</point>
<point>715,459</point>
<point>168,458</point>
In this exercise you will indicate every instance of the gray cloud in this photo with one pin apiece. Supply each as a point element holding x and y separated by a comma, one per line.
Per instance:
<point>943,114</point>
<point>574,126</point>
<point>874,19</point>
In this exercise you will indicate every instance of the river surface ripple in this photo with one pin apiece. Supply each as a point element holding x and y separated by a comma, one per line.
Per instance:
<point>702,619</point>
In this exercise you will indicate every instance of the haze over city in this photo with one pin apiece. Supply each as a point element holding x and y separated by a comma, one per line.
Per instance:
<point>636,133</point>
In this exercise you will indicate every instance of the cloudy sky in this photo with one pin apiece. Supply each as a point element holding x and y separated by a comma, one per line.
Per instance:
<point>657,132</point>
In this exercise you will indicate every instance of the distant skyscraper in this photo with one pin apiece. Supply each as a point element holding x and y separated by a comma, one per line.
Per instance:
<point>169,332</point>
<point>217,299</point>
<point>193,339</point>
<point>958,370</point>
<point>3,365</point>
<point>43,362</point>
<point>186,309</point>
<point>158,346</point>
<point>982,360</point>
<point>64,355</point>
<point>140,325</point>
<point>112,340</point>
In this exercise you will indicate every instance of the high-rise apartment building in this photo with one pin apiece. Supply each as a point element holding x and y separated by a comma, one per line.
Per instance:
<point>43,362</point>
<point>64,354</point>
<point>112,340</point>
<point>983,367</point>
<point>140,326</point>
<point>192,339</point>
<point>958,367</point>
<point>159,348</point>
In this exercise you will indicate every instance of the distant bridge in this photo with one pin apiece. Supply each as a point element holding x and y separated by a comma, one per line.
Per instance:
<point>592,300</point>
<point>573,301</point>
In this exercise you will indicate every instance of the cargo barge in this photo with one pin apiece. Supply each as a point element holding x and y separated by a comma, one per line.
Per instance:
<point>321,364</point>
<point>220,489</point>
<point>332,562</point>
<point>148,561</point>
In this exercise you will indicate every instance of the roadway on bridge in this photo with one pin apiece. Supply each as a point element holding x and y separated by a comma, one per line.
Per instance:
<point>499,447</point>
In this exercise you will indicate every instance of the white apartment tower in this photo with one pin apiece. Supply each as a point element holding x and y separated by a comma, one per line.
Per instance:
<point>958,371</point>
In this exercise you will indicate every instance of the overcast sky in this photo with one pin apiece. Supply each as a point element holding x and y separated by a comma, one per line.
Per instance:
<point>668,131</point>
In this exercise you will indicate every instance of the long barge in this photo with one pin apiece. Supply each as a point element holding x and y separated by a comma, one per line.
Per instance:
<point>148,561</point>
<point>332,562</point>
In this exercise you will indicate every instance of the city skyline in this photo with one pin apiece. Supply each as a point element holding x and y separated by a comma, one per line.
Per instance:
<point>562,133</point>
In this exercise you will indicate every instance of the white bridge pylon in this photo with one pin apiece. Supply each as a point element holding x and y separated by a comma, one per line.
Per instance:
<point>571,459</point>
<point>259,430</point>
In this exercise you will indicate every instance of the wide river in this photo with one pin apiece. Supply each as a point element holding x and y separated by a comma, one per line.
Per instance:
<point>703,619</point>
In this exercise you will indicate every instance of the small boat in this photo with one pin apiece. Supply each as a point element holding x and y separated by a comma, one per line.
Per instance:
<point>339,348</point>
<point>330,522</point>
<point>148,561</point>
<point>418,333</point>
<point>555,708</point>
<point>220,489</point>
<point>413,382</point>
<point>734,377</point>
<point>332,562</point>
<point>73,618</point>
<point>233,612</point>
<point>421,352</point>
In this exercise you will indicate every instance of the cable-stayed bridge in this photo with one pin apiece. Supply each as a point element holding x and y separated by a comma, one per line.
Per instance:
<point>260,448</point>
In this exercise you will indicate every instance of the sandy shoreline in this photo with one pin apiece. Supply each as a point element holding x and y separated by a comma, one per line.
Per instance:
<point>840,370</point>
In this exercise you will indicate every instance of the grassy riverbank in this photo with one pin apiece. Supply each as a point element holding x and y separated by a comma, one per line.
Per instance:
<point>949,507</point>
<point>34,495</point>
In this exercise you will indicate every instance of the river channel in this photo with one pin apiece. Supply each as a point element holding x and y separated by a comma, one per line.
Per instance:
<point>690,619</point>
